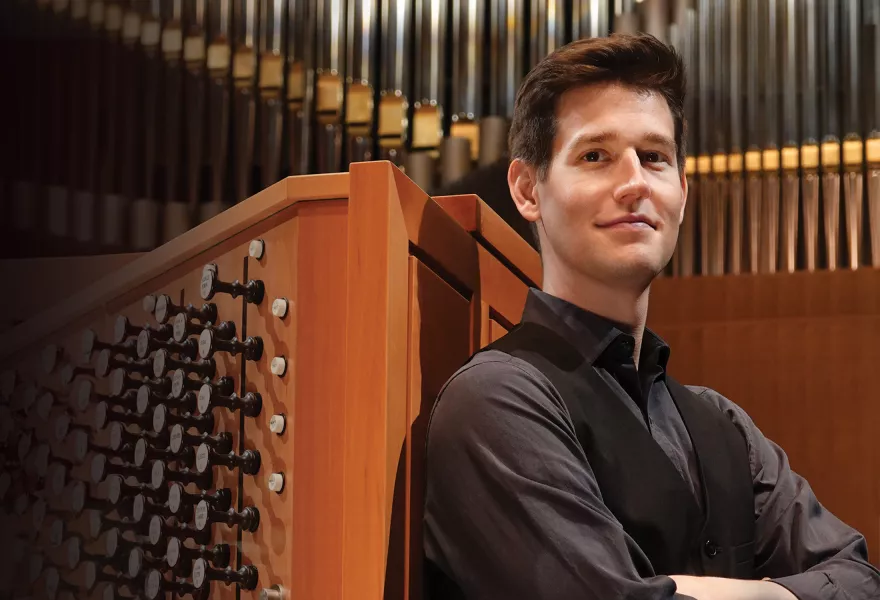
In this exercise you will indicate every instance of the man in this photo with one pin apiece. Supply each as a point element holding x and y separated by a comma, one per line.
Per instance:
<point>563,462</point>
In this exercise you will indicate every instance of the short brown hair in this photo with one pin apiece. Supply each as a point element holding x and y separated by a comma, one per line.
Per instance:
<point>640,61</point>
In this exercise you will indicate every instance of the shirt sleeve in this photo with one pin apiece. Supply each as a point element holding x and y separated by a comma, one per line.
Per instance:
<point>799,544</point>
<point>512,508</point>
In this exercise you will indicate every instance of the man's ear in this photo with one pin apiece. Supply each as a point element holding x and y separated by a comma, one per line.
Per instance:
<point>522,180</point>
<point>684,195</point>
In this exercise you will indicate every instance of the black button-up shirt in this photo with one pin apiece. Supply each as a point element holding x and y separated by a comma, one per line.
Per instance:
<point>513,509</point>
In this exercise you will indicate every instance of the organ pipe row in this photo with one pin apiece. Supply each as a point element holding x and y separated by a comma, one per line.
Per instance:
<point>138,119</point>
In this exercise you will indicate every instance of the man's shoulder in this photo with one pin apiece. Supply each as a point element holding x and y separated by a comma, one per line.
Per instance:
<point>733,411</point>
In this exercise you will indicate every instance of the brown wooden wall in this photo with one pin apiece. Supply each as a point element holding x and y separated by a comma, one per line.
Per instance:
<point>799,352</point>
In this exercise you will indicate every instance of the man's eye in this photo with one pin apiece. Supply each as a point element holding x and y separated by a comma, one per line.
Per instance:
<point>593,156</point>
<point>653,157</point>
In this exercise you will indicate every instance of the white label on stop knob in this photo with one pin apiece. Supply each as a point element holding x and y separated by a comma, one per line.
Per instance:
<point>116,436</point>
<point>206,284</point>
<point>176,438</point>
<point>137,510</point>
<point>135,561</point>
<point>256,249</point>
<point>202,456</point>
<point>180,327</point>
<point>114,488</point>
<point>157,476</point>
<point>117,382</point>
<point>204,402</point>
<point>140,452</point>
<point>161,311</point>
<point>174,498</point>
<point>102,365</point>
<point>279,307</point>
<point>143,399</point>
<point>119,329</point>
<point>154,583</point>
<point>155,530</point>
<point>159,363</point>
<point>205,339</point>
<point>159,418</point>
<point>143,343</point>
<point>199,572</point>
<point>62,426</point>
<point>278,366</point>
<point>172,553</point>
<point>177,383</point>
<point>201,516</point>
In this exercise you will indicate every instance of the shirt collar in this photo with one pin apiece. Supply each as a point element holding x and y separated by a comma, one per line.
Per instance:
<point>596,337</point>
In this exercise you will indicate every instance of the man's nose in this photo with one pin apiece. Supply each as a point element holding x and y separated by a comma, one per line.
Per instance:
<point>632,185</point>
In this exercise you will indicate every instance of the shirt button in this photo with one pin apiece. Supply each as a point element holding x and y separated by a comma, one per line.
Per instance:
<point>711,549</point>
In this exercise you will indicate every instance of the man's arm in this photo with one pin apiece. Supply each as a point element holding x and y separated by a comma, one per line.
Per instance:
<point>798,543</point>
<point>512,508</point>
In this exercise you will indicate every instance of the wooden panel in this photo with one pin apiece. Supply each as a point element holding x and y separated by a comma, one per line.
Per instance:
<point>496,330</point>
<point>439,343</point>
<point>476,217</point>
<point>375,393</point>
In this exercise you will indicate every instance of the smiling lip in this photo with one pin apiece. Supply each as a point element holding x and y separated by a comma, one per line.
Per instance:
<point>629,221</point>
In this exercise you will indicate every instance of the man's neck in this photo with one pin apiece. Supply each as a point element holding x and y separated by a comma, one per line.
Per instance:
<point>622,304</point>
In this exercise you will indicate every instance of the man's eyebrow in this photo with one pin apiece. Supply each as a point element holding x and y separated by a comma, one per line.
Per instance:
<point>609,136</point>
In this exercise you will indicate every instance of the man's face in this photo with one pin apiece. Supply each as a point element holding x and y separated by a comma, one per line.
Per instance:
<point>613,197</point>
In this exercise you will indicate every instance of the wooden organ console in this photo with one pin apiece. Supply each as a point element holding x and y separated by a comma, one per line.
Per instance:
<point>240,413</point>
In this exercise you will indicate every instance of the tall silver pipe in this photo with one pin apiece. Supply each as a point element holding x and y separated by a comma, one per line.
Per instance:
<point>330,78</point>
<point>395,79</point>
<point>360,79</point>
<point>300,85</point>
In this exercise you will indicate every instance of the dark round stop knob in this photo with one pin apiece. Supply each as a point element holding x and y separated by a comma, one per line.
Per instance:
<point>147,399</point>
<point>123,329</point>
<point>184,328</point>
<point>179,439</point>
<point>163,419</point>
<point>248,519</point>
<point>118,491</point>
<point>144,451</point>
<point>248,462</point>
<point>156,586</point>
<point>165,309</point>
<point>120,381</point>
<point>252,291</point>
<point>163,362</point>
<point>250,404</point>
<point>139,561</point>
<point>245,577</point>
<point>177,554</point>
<point>107,362</point>
<point>160,475</point>
<point>104,415</point>
<point>180,384</point>
<point>101,467</point>
<point>115,546</point>
<point>251,348</point>
<point>160,531</point>
<point>178,499</point>
<point>147,343</point>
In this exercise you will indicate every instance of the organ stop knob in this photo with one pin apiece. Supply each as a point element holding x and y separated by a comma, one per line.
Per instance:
<point>165,309</point>
<point>160,475</point>
<point>162,418</point>
<point>176,553</point>
<point>251,348</point>
<point>253,291</point>
<point>183,328</point>
<point>146,343</point>
<point>156,586</point>
<point>178,498</point>
<point>163,362</point>
<point>245,577</point>
<point>248,519</point>
<point>248,462</point>
<point>222,442</point>
<point>250,404</point>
